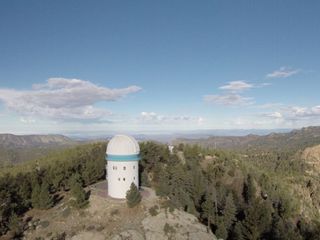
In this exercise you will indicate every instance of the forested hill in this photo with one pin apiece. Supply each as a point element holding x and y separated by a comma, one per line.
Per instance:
<point>296,139</point>
<point>15,149</point>
<point>10,140</point>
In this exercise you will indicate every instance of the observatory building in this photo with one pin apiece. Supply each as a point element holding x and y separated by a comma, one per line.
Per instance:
<point>123,162</point>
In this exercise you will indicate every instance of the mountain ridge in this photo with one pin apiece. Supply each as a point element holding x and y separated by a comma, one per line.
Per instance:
<point>298,138</point>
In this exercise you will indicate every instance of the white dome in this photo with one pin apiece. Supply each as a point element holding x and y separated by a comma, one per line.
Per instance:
<point>123,145</point>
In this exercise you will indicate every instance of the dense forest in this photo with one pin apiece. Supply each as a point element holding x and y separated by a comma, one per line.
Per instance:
<point>247,194</point>
<point>257,195</point>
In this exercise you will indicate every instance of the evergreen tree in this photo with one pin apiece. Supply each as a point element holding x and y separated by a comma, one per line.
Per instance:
<point>249,190</point>
<point>35,195</point>
<point>15,226</point>
<point>236,232</point>
<point>257,220</point>
<point>78,191</point>
<point>133,196</point>
<point>221,232</point>
<point>278,230</point>
<point>209,206</point>
<point>229,213</point>
<point>45,199</point>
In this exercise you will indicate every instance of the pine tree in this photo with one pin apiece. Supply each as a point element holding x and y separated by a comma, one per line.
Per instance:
<point>278,230</point>
<point>78,191</point>
<point>221,231</point>
<point>236,232</point>
<point>257,220</point>
<point>230,211</point>
<point>209,206</point>
<point>35,195</point>
<point>249,190</point>
<point>15,226</point>
<point>45,199</point>
<point>133,196</point>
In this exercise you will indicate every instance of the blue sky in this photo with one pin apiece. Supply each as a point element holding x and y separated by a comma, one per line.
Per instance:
<point>94,66</point>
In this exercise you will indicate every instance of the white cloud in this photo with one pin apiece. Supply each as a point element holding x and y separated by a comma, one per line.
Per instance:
<point>64,99</point>
<point>294,116</point>
<point>154,118</point>
<point>236,86</point>
<point>297,112</point>
<point>27,120</point>
<point>230,99</point>
<point>283,72</point>
<point>276,115</point>
<point>269,105</point>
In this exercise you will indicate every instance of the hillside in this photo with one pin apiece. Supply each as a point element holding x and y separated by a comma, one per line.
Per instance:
<point>110,219</point>
<point>18,141</point>
<point>296,139</point>
<point>19,148</point>
<point>256,195</point>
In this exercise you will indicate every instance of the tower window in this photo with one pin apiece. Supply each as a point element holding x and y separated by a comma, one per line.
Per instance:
<point>134,167</point>
<point>124,168</point>
<point>118,179</point>
<point>124,179</point>
<point>134,178</point>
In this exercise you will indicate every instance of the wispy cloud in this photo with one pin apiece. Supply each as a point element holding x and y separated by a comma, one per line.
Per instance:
<point>63,99</point>
<point>283,72</point>
<point>27,120</point>
<point>276,115</point>
<point>154,118</point>
<point>230,99</point>
<point>236,86</point>
<point>231,95</point>
<point>295,114</point>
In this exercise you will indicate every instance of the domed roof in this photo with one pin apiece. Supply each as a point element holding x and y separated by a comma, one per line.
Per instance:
<point>123,145</point>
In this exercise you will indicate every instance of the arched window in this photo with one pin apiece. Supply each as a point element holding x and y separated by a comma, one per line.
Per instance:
<point>118,179</point>
<point>124,179</point>
<point>134,178</point>
<point>134,167</point>
<point>124,168</point>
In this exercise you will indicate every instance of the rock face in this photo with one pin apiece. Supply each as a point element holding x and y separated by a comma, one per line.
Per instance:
<point>129,234</point>
<point>312,156</point>
<point>176,225</point>
<point>89,235</point>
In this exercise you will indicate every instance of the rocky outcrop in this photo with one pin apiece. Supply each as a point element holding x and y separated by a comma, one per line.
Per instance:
<point>174,225</point>
<point>312,156</point>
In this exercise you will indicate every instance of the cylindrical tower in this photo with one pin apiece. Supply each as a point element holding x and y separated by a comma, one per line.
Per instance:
<point>123,165</point>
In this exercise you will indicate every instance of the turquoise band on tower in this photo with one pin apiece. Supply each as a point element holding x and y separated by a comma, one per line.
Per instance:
<point>123,158</point>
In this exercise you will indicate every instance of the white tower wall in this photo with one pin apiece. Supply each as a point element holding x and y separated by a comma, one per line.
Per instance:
<point>123,165</point>
<point>120,177</point>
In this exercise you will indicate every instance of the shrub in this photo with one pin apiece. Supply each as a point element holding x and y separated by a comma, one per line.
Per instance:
<point>133,196</point>
<point>154,210</point>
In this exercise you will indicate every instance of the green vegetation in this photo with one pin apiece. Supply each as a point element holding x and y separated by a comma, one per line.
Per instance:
<point>133,196</point>
<point>35,183</point>
<point>77,191</point>
<point>154,210</point>
<point>253,194</point>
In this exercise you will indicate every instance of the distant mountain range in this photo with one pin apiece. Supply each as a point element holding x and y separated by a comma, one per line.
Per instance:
<point>19,148</point>
<point>301,138</point>
<point>167,136</point>
<point>16,141</point>
<point>15,149</point>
